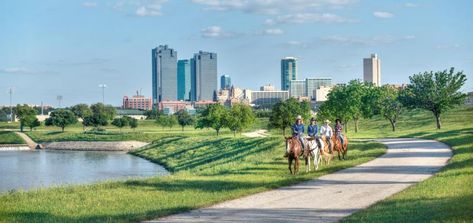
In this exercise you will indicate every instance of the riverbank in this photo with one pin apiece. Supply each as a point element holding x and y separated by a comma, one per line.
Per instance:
<point>95,146</point>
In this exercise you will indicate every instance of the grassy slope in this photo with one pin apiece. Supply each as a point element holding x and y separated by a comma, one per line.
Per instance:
<point>10,138</point>
<point>448,196</point>
<point>207,170</point>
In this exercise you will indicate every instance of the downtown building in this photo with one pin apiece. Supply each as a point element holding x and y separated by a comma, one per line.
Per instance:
<point>288,72</point>
<point>307,89</point>
<point>204,76</point>
<point>267,97</point>
<point>372,70</point>
<point>183,80</point>
<point>225,82</point>
<point>139,102</point>
<point>164,74</point>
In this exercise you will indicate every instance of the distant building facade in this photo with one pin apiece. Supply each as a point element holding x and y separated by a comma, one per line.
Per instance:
<point>204,76</point>
<point>306,89</point>
<point>164,73</point>
<point>469,98</point>
<point>320,94</point>
<point>268,87</point>
<point>288,72</point>
<point>225,82</point>
<point>183,80</point>
<point>137,102</point>
<point>266,98</point>
<point>372,70</point>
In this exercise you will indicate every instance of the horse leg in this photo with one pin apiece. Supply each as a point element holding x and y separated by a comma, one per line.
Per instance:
<point>296,166</point>
<point>290,165</point>
<point>307,164</point>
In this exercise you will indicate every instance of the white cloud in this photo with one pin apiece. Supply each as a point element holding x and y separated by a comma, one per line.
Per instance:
<point>376,40</point>
<point>270,6</point>
<point>448,46</point>
<point>140,8</point>
<point>309,18</point>
<point>215,32</point>
<point>410,5</point>
<point>89,4</point>
<point>384,15</point>
<point>16,70</point>
<point>272,32</point>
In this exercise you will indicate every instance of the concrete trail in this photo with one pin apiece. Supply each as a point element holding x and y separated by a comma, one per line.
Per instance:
<point>27,140</point>
<point>334,196</point>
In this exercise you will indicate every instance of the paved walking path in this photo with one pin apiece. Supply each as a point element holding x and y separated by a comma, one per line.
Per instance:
<point>333,196</point>
<point>27,140</point>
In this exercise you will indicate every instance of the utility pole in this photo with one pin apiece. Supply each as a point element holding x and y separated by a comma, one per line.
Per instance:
<point>11,106</point>
<point>59,99</point>
<point>103,86</point>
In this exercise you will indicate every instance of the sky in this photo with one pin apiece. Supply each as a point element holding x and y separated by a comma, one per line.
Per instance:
<point>68,48</point>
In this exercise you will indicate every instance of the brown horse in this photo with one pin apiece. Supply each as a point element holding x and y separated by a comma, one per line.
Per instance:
<point>337,146</point>
<point>293,145</point>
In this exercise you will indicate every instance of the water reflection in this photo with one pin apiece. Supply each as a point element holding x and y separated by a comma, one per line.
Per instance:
<point>32,169</point>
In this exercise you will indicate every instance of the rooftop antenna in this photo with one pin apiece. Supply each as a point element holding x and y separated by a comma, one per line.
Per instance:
<point>59,100</point>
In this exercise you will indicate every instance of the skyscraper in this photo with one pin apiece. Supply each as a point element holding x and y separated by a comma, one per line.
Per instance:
<point>225,82</point>
<point>164,73</point>
<point>183,80</point>
<point>372,70</point>
<point>204,76</point>
<point>288,72</point>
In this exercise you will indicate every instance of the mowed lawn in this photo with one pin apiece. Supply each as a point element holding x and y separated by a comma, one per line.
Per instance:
<point>446,197</point>
<point>206,170</point>
<point>7,137</point>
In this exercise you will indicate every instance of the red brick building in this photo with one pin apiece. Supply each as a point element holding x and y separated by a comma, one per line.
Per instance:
<point>137,102</point>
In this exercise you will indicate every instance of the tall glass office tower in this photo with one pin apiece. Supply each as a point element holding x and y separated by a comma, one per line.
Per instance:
<point>288,72</point>
<point>225,82</point>
<point>204,76</point>
<point>183,80</point>
<point>164,73</point>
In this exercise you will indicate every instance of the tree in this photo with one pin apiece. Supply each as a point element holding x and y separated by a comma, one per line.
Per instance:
<point>133,122</point>
<point>153,114</point>
<point>184,118</point>
<point>120,122</point>
<point>212,117</point>
<point>239,117</point>
<point>167,121</point>
<point>337,105</point>
<point>355,90</point>
<point>81,111</point>
<point>436,92</point>
<point>389,105</point>
<point>284,113</point>
<point>26,115</point>
<point>61,118</point>
<point>101,115</point>
<point>370,100</point>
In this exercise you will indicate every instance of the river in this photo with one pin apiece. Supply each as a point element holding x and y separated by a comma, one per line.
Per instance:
<point>24,170</point>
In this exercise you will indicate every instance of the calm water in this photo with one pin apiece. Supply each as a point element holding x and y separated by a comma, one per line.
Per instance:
<point>33,169</point>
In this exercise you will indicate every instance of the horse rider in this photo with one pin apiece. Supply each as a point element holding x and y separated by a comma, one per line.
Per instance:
<point>313,131</point>
<point>326,131</point>
<point>338,130</point>
<point>298,131</point>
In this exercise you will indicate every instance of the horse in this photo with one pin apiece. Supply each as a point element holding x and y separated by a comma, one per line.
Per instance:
<point>312,151</point>
<point>337,146</point>
<point>326,150</point>
<point>294,147</point>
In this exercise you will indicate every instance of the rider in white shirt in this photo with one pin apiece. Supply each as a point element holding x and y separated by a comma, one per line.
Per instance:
<point>326,130</point>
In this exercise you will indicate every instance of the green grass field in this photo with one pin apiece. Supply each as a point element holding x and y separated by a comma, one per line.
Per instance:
<point>10,138</point>
<point>446,197</point>
<point>206,170</point>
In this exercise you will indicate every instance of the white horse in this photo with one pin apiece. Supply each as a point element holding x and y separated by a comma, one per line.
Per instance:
<point>314,152</point>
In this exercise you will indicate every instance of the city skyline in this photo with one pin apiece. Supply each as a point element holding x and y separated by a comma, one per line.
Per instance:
<point>52,48</point>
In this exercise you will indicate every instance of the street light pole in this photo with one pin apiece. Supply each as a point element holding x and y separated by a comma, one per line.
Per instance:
<point>11,106</point>
<point>103,86</point>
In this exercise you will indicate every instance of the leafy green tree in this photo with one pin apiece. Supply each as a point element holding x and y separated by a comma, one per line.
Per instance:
<point>184,118</point>
<point>81,111</point>
<point>26,115</point>
<point>133,122</point>
<point>389,105</point>
<point>62,118</point>
<point>120,122</point>
<point>337,105</point>
<point>284,113</point>
<point>212,117</point>
<point>153,114</point>
<point>239,117</point>
<point>167,121</point>
<point>436,92</point>
<point>101,115</point>
<point>370,100</point>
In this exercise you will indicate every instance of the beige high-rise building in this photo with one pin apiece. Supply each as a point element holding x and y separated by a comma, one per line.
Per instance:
<point>372,70</point>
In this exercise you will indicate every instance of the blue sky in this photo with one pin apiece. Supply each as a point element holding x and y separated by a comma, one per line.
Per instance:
<point>68,48</point>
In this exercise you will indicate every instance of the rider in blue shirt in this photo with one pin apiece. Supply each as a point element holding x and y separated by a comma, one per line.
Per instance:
<point>313,129</point>
<point>298,130</point>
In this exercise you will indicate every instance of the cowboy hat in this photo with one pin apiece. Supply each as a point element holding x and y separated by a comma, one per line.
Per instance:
<point>299,117</point>
<point>327,121</point>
